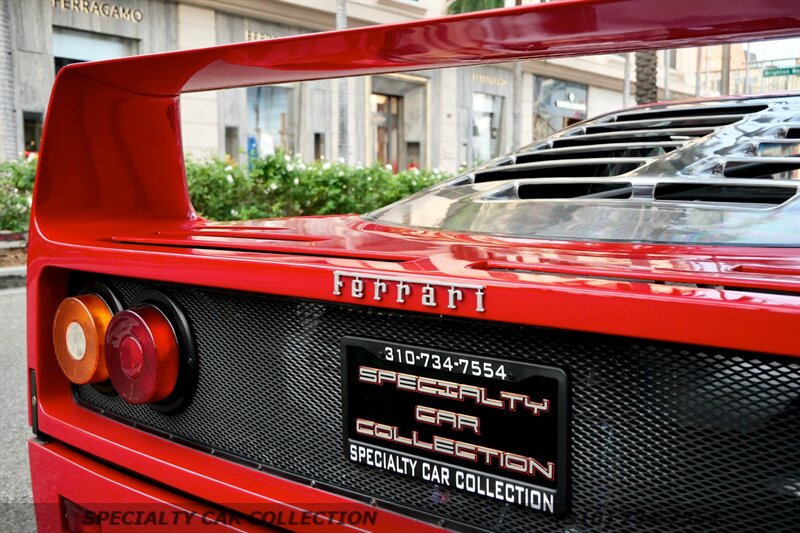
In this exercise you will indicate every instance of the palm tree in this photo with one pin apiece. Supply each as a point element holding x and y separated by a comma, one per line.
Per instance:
<point>455,7</point>
<point>646,69</point>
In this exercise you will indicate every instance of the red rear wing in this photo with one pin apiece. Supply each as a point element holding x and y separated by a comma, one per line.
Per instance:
<point>112,143</point>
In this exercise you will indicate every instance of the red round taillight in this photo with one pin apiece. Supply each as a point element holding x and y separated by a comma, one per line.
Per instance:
<point>79,329</point>
<point>142,355</point>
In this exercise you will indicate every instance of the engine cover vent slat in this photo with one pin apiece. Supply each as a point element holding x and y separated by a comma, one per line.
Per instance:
<point>783,168</point>
<point>652,123</point>
<point>755,195</point>
<point>779,148</point>
<point>564,168</point>
<point>610,150</point>
<point>632,136</point>
<point>695,111</point>
<point>583,190</point>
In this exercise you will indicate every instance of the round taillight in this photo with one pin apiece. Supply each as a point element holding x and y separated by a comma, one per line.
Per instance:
<point>142,355</point>
<point>79,329</point>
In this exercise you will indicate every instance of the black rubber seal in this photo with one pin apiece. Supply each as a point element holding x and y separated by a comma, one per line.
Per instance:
<point>188,364</point>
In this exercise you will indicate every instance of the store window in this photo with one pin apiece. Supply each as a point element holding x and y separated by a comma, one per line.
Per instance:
<point>232,142</point>
<point>75,46</point>
<point>386,123</point>
<point>399,120</point>
<point>556,105</point>
<point>270,119</point>
<point>487,112</point>
<point>319,146</point>
<point>32,130</point>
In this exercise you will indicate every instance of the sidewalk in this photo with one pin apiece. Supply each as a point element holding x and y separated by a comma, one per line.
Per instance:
<point>12,259</point>
<point>11,277</point>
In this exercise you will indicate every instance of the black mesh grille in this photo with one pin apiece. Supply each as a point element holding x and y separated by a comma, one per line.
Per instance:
<point>663,436</point>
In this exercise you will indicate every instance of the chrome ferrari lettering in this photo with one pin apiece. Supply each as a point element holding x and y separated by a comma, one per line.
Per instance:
<point>454,295</point>
<point>403,290</point>
<point>428,296</point>
<point>425,292</point>
<point>479,294</point>
<point>357,288</point>
<point>378,289</point>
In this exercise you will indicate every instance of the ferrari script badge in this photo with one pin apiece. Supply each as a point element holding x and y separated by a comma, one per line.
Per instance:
<point>428,292</point>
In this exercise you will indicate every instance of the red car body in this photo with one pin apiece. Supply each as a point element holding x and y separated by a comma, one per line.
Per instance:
<point>111,199</point>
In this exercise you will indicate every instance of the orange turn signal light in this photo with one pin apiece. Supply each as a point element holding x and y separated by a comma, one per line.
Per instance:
<point>79,331</point>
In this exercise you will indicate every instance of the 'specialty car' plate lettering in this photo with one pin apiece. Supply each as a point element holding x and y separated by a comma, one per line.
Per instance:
<point>468,423</point>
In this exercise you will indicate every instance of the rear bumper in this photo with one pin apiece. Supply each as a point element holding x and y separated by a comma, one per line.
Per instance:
<point>120,501</point>
<point>117,501</point>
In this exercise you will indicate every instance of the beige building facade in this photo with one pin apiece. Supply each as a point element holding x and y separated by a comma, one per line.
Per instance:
<point>441,118</point>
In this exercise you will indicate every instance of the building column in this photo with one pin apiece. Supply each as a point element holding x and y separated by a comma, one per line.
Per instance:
<point>526,110</point>
<point>199,111</point>
<point>9,118</point>
<point>449,138</point>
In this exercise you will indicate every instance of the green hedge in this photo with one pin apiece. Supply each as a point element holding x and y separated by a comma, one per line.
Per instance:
<point>279,186</point>
<point>274,186</point>
<point>16,189</point>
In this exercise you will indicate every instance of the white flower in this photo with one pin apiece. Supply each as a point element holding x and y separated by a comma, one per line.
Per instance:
<point>273,185</point>
<point>388,167</point>
<point>228,168</point>
<point>287,158</point>
<point>341,173</point>
<point>326,165</point>
<point>289,167</point>
<point>415,170</point>
<point>301,166</point>
<point>437,171</point>
<point>297,181</point>
<point>229,178</point>
<point>234,212</point>
<point>369,178</point>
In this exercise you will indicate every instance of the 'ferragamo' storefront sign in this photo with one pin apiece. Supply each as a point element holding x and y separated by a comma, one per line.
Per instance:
<point>101,9</point>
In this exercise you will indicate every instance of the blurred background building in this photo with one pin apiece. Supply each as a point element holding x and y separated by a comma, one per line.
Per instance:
<point>444,118</point>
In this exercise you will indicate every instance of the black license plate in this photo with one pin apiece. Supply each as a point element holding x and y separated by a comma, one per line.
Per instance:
<point>475,424</point>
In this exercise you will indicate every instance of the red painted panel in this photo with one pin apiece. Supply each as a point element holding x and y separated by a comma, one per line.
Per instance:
<point>111,198</point>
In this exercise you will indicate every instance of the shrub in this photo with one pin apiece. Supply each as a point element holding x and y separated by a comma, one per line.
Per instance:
<point>16,190</point>
<point>219,190</point>
<point>275,186</point>
<point>280,186</point>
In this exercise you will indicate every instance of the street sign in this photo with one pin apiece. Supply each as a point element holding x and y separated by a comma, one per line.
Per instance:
<point>771,72</point>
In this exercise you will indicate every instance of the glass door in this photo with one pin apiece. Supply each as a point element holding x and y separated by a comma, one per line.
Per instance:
<point>386,125</point>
